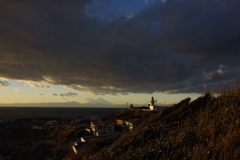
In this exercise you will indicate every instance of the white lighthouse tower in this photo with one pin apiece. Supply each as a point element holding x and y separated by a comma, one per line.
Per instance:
<point>153,105</point>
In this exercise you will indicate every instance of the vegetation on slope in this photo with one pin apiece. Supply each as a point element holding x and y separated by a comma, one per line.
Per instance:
<point>206,128</point>
<point>20,141</point>
<point>128,114</point>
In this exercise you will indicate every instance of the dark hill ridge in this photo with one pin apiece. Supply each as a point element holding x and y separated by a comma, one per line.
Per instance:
<point>207,128</point>
<point>125,114</point>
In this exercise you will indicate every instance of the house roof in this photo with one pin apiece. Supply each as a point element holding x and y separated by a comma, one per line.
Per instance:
<point>134,121</point>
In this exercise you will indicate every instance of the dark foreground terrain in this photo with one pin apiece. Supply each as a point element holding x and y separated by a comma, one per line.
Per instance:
<point>31,139</point>
<point>207,128</point>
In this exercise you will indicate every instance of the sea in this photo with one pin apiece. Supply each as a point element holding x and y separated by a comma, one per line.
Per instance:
<point>70,113</point>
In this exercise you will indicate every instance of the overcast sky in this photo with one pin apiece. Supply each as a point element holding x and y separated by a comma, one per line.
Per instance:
<point>128,50</point>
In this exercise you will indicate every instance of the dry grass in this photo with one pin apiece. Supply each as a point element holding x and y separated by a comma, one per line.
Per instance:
<point>207,128</point>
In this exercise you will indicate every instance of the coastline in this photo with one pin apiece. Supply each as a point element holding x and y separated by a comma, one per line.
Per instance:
<point>14,113</point>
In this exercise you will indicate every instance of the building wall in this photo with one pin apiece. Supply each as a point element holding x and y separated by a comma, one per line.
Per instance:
<point>151,107</point>
<point>158,108</point>
<point>102,128</point>
<point>128,125</point>
<point>98,128</point>
<point>119,121</point>
<point>155,107</point>
<point>110,128</point>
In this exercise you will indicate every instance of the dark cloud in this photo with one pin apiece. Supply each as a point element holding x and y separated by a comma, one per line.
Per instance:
<point>54,94</point>
<point>171,47</point>
<point>4,84</point>
<point>68,94</point>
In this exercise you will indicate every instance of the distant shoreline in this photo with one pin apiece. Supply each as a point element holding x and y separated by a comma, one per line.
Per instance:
<point>13,113</point>
<point>58,107</point>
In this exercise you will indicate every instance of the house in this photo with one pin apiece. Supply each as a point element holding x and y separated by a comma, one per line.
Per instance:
<point>77,145</point>
<point>120,122</point>
<point>119,125</point>
<point>88,129</point>
<point>152,106</point>
<point>84,140</point>
<point>100,128</point>
<point>132,123</point>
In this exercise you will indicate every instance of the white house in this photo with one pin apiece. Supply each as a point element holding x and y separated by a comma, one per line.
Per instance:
<point>120,122</point>
<point>84,140</point>
<point>132,123</point>
<point>77,145</point>
<point>100,128</point>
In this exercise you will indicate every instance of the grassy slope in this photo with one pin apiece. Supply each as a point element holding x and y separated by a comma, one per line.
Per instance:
<point>206,128</point>
<point>128,114</point>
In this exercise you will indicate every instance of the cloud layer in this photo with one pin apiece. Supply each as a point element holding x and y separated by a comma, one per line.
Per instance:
<point>175,46</point>
<point>4,84</point>
<point>62,95</point>
<point>17,89</point>
<point>35,84</point>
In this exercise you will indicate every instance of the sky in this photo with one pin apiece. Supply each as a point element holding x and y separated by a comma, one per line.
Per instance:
<point>117,50</point>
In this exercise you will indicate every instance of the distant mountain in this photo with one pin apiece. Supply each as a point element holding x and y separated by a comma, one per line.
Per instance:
<point>98,100</point>
<point>91,102</point>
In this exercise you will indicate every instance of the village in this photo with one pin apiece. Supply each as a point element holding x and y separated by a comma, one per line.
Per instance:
<point>99,129</point>
<point>57,138</point>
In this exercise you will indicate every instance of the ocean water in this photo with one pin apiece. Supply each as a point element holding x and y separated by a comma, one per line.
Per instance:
<point>13,113</point>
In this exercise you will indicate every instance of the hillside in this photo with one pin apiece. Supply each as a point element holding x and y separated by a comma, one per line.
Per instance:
<point>21,140</point>
<point>207,128</point>
<point>128,114</point>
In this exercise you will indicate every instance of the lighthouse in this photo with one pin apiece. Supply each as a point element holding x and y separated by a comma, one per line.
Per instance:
<point>152,102</point>
<point>153,105</point>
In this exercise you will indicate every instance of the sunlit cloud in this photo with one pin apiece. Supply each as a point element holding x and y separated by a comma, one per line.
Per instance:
<point>35,84</point>
<point>98,90</point>
<point>17,89</point>
<point>5,78</point>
